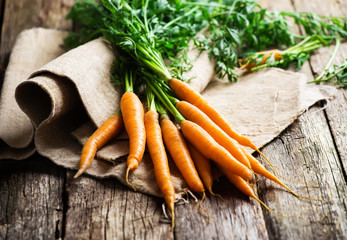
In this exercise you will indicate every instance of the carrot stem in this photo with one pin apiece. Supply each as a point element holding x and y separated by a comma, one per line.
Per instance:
<point>165,100</point>
<point>337,45</point>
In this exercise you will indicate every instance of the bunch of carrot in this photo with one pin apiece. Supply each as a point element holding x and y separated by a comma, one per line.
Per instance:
<point>178,120</point>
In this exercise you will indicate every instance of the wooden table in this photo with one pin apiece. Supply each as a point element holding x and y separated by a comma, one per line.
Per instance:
<point>39,200</point>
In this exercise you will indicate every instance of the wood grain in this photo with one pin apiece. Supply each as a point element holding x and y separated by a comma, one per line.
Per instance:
<point>32,191</point>
<point>41,200</point>
<point>306,152</point>
<point>235,217</point>
<point>307,148</point>
<point>25,14</point>
<point>31,199</point>
<point>106,209</point>
<point>336,111</point>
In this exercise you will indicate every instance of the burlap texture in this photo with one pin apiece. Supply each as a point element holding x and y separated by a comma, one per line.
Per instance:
<point>33,49</point>
<point>69,97</point>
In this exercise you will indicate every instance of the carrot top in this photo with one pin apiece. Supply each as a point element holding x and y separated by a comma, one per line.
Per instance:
<point>298,53</point>
<point>165,99</point>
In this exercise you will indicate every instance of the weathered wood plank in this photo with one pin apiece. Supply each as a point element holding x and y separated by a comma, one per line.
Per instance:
<point>106,209</point>
<point>2,70</point>
<point>2,2</point>
<point>100,209</point>
<point>308,149</point>
<point>337,115</point>
<point>31,199</point>
<point>305,151</point>
<point>237,217</point>
<point>24,14</point>
<point>336,110</point>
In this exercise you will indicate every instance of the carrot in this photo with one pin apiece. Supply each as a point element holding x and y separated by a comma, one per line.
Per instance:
<point>179,152</point>
<point>200,139</point>
<point>244,187</point>
<point>108,130</point>
<point>194,114</point>
<point>184,92</point>
<point>203,165</point>
<point>249,64</point>
<point>161,167</point>
<point>133,116</point>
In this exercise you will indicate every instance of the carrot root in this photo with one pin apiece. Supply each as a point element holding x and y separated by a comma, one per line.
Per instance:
<point>269,162</point>
<point>269,209</point>
<point>172,213</point>
<point>172,219</point>
<point>185,93</point>
<point>79,173</point>
<point>245,188</point>
<point>203,142</point>
<point>296,195</point>
<point>293,180</point>
<point>202,210</point>
<point>260,169</point>
<point>127,179</point>
<point>216,195</point>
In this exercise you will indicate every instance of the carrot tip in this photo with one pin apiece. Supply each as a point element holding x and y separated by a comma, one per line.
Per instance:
<point>79,173</point>
<point>216,195</point>
<point>172,215</point>
<point>172,219</point>
<point>202,210</point>
<point>203,198</point>
<point>293,180</point>
<point>270,210</point>
<point>132,164</point>
<point>127,179</point>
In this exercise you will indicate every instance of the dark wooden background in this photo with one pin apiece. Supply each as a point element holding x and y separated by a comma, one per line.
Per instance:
<point>39,200</point>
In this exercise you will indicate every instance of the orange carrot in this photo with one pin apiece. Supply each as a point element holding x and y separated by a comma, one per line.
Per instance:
<point>161,167</point>
<point>108,130</point>
<point>203,166</point>
<point>179,152</point>
<point>246,63</point>
<point>133,116</point>
<point>184,92</point>
<point>244,187</point>
<point>194,114</point>
<point>200,139</point>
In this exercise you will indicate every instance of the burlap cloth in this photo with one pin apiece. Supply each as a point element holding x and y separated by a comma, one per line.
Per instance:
<point>52,102</point>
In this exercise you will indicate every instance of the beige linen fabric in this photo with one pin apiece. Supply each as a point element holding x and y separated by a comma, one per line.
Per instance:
<point>70,96</point>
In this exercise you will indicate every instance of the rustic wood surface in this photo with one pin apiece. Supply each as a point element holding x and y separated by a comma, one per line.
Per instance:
<point>39,200</point>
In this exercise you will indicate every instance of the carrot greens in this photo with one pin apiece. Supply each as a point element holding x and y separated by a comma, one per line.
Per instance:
<point>325,26</point>
<point>298,53</point>
<point>152,30</point>
<point>143,33</point>
<point>336,74</point>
